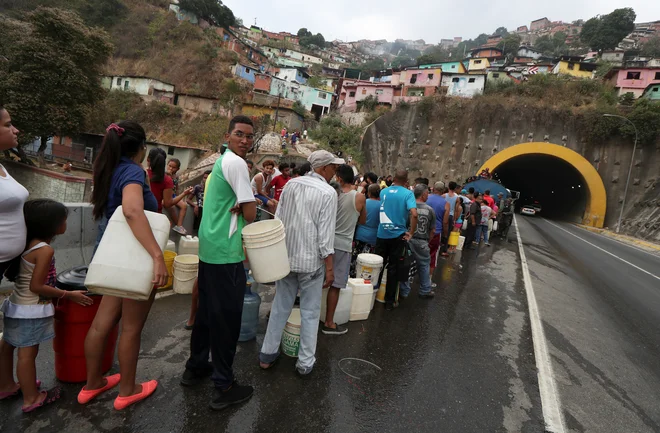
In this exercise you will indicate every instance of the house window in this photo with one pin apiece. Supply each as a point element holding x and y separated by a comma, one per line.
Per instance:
<point>364,91</point>
<point>247,71</point>
<point>633,75</point>
<point>351,94</point>
<point>655,89</point>
<point>477,62</point>
<point>413,79</point>
<point>454,80</point>
<point>453,66</point>
<point>323,95</point>
<point>379,91</point>
<point>170,150</point>
<point>126,85</point>
<point>618,55</point>
<point>214,106</point>
<point>471,80</point>
<point>496,75</point>
<point>430,76</point>
<point>657,75</point>
<point>119,81</point>
<point>89,154</point>
<point>571,66</point>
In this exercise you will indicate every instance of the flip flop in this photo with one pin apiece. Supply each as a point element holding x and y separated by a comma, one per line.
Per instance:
<point>148,388</point>
<point>86,395</point>
<point>4,395</point>
<point>268,366</point>
<point>51,395</point>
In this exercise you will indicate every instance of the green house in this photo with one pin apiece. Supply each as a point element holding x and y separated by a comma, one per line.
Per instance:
<point>652,92</point>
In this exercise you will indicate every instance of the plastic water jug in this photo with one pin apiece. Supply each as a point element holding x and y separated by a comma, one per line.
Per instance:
<point>121,266</point>
<point>363,293</point>
<point>188,245</point>
<point>171,246</point>
<point>343,311</point>
<point>250,317</point>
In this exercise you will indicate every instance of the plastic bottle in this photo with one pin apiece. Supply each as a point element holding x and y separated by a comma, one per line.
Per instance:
<point>250,317</point>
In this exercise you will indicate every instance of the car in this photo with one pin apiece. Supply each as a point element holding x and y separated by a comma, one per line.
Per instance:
<point>528,210</point>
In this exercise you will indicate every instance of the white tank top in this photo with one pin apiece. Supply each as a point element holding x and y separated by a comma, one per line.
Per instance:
<point>12,223</point>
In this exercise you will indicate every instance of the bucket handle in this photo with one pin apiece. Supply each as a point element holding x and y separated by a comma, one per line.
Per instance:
<point>186,280</point>
<point>264,210</point>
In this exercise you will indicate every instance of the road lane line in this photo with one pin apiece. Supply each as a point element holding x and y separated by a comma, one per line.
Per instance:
<point>550,404</point>
<point>605,251</point>
<point>603,236</point>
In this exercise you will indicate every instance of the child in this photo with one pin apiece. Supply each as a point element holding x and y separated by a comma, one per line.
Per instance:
<point>482,229</point>
<point>173,166</point>
<point>28,312</point>
<point>162,186</point>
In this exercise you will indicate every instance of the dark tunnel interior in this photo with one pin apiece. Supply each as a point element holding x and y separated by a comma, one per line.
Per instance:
<point>546,180</point>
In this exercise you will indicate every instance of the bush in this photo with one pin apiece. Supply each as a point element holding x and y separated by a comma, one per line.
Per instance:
<point>369,103</point>
<point>335,136</point>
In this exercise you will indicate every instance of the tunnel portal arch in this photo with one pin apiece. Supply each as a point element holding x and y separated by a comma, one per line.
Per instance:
<point>594,214</point>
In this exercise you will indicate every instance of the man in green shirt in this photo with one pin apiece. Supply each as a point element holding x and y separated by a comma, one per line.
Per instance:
<point>228,205</point>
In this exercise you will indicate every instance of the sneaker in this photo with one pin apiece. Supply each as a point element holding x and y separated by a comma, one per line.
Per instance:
<point>180,230</point>
<point>487,244</point>
<point>234,395</point>
<point>190,378</point>
<point>389,306</point>
<point>338,330</point>
<point>434,285</point>
<point>303,376</point>
<point>429,295</point>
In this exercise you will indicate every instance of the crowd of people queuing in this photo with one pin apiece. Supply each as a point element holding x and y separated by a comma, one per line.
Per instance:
<point>330,215</point>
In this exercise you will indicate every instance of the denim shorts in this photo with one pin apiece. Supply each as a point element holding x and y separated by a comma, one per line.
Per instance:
<point>28,332</point>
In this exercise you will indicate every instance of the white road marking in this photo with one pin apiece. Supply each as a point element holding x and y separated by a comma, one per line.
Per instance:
<point>550,403</point>
<point>605,251</point>
<point>634,247</point>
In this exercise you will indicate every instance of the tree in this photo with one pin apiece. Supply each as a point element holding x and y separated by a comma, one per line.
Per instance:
<point>212,11</point>
<point>481,39</point>
<point>316,39</point>
<point>402,62</point>
<point>103,13</point>
<point>606,31</point>
<point>509,44</point>
<point>304,32</point>
<point>51,73</point>
<point>316,82</point>
<point>651,48</point>
<point>554,45</point>
<point>501,31</point>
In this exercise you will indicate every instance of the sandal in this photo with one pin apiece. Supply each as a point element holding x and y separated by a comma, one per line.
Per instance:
<point>4,395</point>
<point>51,395</point>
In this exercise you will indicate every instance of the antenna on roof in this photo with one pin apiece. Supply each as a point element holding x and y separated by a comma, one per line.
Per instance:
<point>255,21</point>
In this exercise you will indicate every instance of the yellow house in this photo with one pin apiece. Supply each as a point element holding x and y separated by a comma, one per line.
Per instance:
<point>478,64</point>
<point>573,67</point>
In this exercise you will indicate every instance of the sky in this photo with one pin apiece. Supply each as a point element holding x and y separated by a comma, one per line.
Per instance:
<point>351,20</point>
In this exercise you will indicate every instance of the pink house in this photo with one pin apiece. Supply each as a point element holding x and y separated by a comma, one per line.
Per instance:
<point>353,91</point>
<point>633,80</point>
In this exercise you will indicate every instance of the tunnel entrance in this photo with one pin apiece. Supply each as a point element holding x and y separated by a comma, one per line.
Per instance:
<point>546,181</point>
<point>561,180</point>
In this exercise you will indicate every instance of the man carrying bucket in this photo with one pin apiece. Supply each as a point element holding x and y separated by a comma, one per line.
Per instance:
<point>228,205</point>
<point>308,209</point>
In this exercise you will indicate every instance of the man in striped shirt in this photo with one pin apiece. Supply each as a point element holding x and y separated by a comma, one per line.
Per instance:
<point>308,210</point>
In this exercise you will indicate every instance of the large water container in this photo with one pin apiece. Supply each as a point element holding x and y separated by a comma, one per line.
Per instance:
<point>121,266</point>
<point>369,266</point>
<point>188,245</point>
<point>343,310</point>
<point>250,317</point>
<point>363,293</point>
<point>265,247</point>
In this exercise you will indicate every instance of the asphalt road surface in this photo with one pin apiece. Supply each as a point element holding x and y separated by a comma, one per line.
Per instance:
<point>462,362</point>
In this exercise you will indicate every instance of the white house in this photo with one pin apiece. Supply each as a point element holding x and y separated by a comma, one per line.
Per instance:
<point>187,155</point>
<point>304,57</point>
<point>147,87</point>
<point>529,52</point>
<point>464,85</point>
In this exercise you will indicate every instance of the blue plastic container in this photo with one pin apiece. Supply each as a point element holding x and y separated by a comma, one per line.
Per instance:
<point>250,317</point>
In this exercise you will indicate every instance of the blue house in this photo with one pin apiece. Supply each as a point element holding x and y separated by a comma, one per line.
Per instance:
<point>246,72</point>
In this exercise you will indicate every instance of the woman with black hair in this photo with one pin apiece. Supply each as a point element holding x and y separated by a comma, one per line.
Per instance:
<point>120,180</point>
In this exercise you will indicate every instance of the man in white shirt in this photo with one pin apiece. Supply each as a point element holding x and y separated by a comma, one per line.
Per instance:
<point>308,209</point>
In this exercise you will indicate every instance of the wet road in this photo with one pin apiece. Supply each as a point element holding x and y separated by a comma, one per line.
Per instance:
<point>460,362</point>
<point>599,301</point>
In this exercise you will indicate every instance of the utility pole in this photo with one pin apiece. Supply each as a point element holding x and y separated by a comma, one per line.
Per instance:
<point>632,161</point>
<point>277,110</point>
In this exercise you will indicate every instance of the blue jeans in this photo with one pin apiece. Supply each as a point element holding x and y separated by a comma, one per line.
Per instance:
<point>482,229</point>
<point>422,252</point>
<point>310,285</point>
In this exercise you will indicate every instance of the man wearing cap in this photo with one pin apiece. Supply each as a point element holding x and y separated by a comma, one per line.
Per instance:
<point>441,209</point>
<point>397,206</point>
<point>308,210</point>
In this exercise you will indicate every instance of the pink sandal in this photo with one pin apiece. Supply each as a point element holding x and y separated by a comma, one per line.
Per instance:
<point>52,395</point>
<point>4,395</point>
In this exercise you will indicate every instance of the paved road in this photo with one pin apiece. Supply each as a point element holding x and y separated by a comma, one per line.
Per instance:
<point>601,315</point>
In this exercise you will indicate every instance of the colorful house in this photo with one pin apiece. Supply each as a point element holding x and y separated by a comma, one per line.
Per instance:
<point>245,72</point>
<point>418,82</point>
<point>353,92</point>
<point>447,67</point>
<point>478,64</point>
<point>574,67</point>
<point>489,53</point>
<point>652,92</point>
<point>464,85</point>
<point>292,74</point>
<point>147,87</point>
<point>633,80</point>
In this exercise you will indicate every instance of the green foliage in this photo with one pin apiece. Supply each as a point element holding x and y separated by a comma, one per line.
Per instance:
<point>370,66</point>
<point>403,105</point>
<point>51,75</point>
<point>627,99</point>
<point>212,11</point>
<point>509,44</point>
<point>403,62</point>
<point>369,103</point>
<point>308,39</point>
<point>303,32</point>
<point>375,114</point>
<point>299,109</point>
<point>103,13</point>
<point>316,82</point>
<point>501,31</point>
<point>651,48</point>
<point>335,136</point>
<point>606,31</point>
<point>603,69</point>
<point>466,46</point>
<point>435,54</point>
<point>554,45</point>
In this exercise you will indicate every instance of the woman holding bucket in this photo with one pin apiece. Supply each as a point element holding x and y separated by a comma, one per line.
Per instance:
<point>120,180</point>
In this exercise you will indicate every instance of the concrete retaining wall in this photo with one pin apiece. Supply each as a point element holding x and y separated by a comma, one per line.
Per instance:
<point>47,184</point>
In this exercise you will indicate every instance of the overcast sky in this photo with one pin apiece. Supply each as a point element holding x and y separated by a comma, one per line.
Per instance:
<point>430,20</point>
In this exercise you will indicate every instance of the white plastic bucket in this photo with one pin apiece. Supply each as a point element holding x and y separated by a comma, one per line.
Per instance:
<point>343,310</point>
<point>368,266</point>
<point>291,335</point>
<point>185,271</point>
<point>362,298</point>
<point>265,246</point>
<point>461,242</point>
<point>121,266</point>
